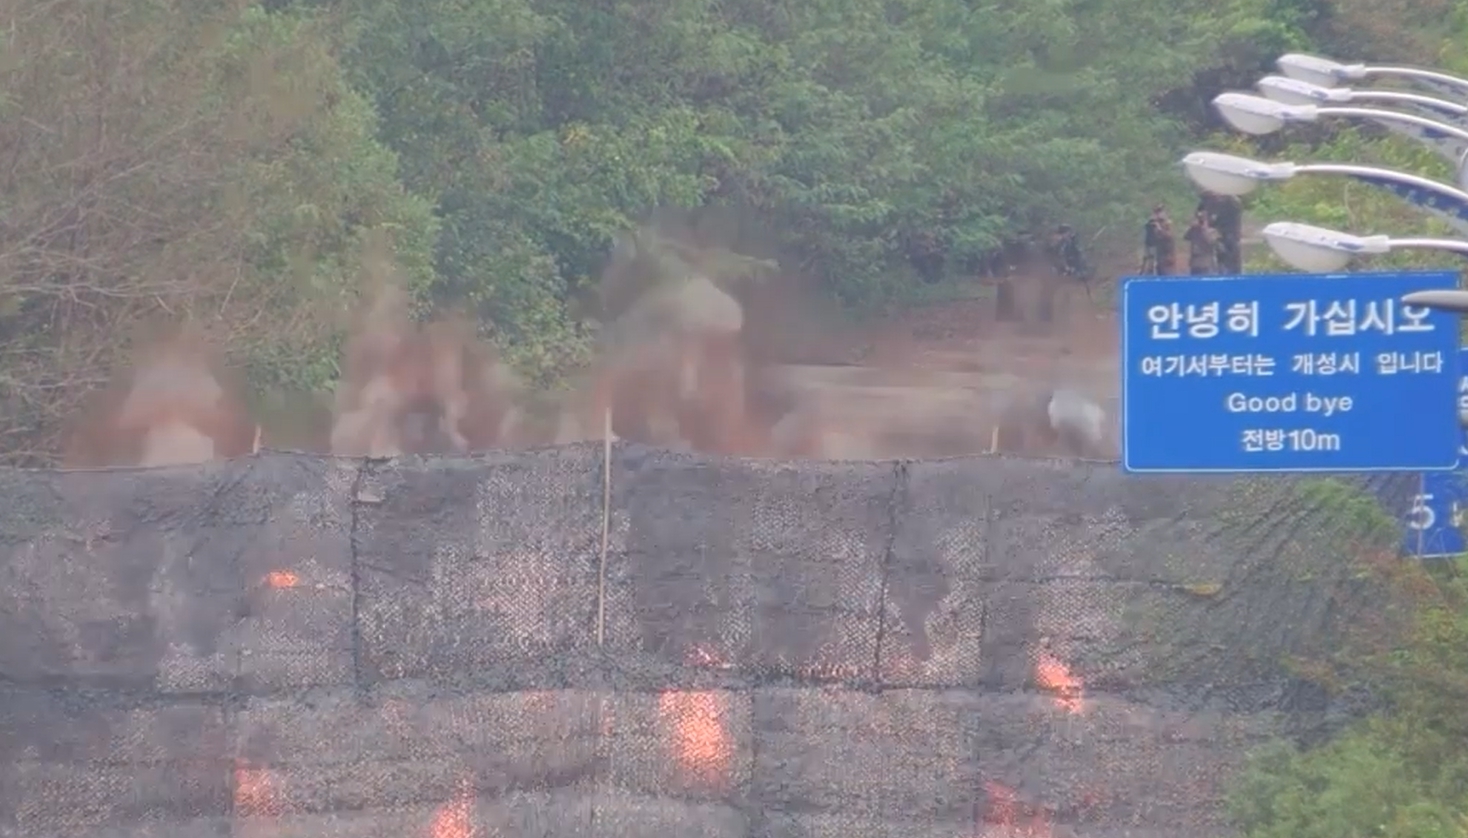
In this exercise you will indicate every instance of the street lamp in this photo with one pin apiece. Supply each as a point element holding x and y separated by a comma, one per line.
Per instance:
<point>1319,250</point>
<point>1454,301</point>
<point>1328,73</point>
<point>1258,115</point>
<point>1288,91</point>
<point>1227,174</point>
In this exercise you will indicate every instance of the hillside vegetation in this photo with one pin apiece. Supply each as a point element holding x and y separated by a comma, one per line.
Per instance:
<point>228,162</point>
<point>234,164</point>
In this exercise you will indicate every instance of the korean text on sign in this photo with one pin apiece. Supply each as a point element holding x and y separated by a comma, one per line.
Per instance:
<point>1336,318</point>
<point>1285,373</point>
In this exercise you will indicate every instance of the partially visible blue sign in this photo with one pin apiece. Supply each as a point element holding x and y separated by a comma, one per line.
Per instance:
<point>1288,373</point>
<point>1434,523</point>
<point>1439,199</point>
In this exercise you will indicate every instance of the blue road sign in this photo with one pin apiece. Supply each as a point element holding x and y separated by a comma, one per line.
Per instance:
<point>1435,520</point>
<point>1291,372</point>
<point>1434,523</point>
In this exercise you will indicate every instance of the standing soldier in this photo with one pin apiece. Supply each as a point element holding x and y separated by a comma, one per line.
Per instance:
<point>1068,252</point>
<point>1202,246</point>
<point>1159,249</point>
<point>1226,216</point>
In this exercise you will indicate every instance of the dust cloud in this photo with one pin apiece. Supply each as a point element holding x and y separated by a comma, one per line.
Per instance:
<point>706,345</point>
<point>177,405</point>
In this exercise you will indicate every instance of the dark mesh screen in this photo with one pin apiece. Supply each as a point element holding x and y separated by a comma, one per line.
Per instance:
<point>529,645</point>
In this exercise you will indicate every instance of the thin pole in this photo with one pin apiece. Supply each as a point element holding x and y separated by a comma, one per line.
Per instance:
<point>606,525</point>
<point>1421,490</point>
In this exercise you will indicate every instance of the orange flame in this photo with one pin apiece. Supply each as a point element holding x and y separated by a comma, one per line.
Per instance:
<point>1007,817</point>
<point>704,748</point>
<point>279,579</point>
<point>255,792</point>
<point>455,819</point>
<point>1054,676</point>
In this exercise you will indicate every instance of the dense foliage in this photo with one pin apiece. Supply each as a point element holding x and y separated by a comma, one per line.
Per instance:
<point>889,139</point>
<point>229,161</point>
<point>181,158</point>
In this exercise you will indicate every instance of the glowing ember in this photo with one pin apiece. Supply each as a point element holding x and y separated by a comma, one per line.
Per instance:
<point>455,819</point>
<point>1007,817</point>
<point>704,748</point>
<point>699,656</point>
<point>255,792</point>
<point>281,579</point>
<point>1054,676</point>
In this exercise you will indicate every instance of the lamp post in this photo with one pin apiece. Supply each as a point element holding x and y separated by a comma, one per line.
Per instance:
<point>1329,73</point>
<point>1227,174</point>
<point>1320,80</point>
<point>1321,250</point>
<point>1454,301</point>
<point>1258,115</point>
<point>1288,91</point>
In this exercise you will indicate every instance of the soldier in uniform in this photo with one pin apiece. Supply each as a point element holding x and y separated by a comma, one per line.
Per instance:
<point>1202,242</point>
<point>1159,248</point>
<point>1226,216</point>
<point>1068,252</point>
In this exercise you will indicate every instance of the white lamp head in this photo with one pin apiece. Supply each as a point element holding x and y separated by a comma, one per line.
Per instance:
<point>1317,249</point>
<point>1319,71</point>
<point>1258,115</point>
<point>1288,91</point>
<point>1226,174</point>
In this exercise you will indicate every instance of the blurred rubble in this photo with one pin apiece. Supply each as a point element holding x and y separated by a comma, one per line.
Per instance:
<point>690,358</point>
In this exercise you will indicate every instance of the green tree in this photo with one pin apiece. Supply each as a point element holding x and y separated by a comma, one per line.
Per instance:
<point>187,160</point>
<point>886,141</point>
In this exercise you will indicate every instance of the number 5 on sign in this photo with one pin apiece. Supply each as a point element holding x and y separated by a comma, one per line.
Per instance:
<point>1433,522</point>
<point>1421,516</point>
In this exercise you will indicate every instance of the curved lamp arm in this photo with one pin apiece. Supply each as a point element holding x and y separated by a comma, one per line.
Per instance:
<point>1453,245</point>
<point>1388,116</point>
<point>1318,69</point>
<point>1292,91</point>
<point>1446,202</point>
<point>1437,79</point>
<point>1442,106</point>
<point>1442,300</point>
<point>1437,135</point>
<point>1427,184</point>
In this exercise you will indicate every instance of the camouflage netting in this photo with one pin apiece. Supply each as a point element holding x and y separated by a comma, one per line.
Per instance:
<point>298,646</point>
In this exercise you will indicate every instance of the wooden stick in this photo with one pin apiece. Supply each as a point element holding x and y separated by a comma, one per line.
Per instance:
<point>606,525</point>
